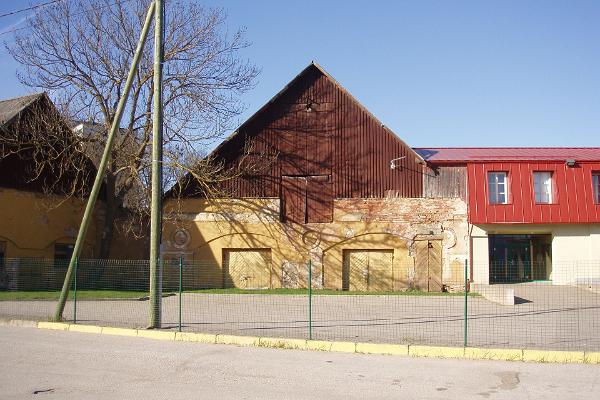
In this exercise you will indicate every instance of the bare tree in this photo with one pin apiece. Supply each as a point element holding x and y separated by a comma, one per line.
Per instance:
<point>81,50</point>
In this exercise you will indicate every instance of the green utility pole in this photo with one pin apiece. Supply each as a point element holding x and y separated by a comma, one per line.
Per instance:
<point>75,293</point>
<point>465,341</point>
<point>180,288</point>
<point>157,139</point>
<point>309,299</point>
<point>89,208</point>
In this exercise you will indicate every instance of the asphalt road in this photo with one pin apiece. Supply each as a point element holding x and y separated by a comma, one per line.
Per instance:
<point>38,364</point>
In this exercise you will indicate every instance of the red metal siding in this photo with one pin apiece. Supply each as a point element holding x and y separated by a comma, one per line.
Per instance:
<point>338,138</point>
<point>573,192</point>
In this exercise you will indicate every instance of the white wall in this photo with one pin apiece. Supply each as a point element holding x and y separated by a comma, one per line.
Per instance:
<point>576,254</point>
<point>481,269</point>
<point>575,250</point>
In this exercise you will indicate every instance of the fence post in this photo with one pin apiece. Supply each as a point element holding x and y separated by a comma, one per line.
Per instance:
<point>466,302</point>
<point>180,288</point>
<point>309,299</point>
<point>75,268</point>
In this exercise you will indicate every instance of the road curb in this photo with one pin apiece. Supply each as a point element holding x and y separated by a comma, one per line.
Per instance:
<point>469,353</point>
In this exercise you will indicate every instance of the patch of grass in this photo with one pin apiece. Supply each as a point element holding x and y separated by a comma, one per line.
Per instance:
<point>81,294</point>
<point>324,292</point>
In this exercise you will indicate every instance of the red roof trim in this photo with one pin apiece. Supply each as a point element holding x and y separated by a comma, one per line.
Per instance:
<point>474,154</point>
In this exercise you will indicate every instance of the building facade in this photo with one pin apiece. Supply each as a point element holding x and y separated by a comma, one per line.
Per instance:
<point>39,214</point>
<point>38,220</point>
<point>533,213</point>
<point>321,181</point>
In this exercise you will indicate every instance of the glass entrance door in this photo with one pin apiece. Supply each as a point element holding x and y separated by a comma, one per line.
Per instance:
<point>519,258</point>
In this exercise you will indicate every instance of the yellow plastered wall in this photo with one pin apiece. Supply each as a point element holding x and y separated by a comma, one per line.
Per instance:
<point>32,223</point>
<point>212,226</point>
<point>127,246</point>
<point>402,263</point>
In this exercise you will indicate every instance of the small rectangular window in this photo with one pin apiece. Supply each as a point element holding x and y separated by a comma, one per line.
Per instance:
<point>498,187</point>
<point>2,253</point>
<point>596,182</point>
<point>63,252</point>
<point>542,183</point>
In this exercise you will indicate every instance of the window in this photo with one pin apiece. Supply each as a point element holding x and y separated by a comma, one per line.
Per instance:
<point>498,187</point>
<point>542,183</point>
<point>3,274</point>
<point>63,252</point>
<point>596,182</point>
<point>2,253</point>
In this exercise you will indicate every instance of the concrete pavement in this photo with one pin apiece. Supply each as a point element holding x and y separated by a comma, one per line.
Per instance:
<point>69,365</point>
<point>546,317</point>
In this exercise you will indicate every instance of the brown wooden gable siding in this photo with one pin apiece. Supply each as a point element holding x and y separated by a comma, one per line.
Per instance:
<point>445,181</point>
<point>338,138</point>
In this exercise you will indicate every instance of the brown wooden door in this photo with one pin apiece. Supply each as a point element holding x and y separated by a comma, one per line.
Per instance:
<point>307,199</point>
<point>435,265</point>
<point>293,195</point>
<point>319,199</point>
<point>428,265</point>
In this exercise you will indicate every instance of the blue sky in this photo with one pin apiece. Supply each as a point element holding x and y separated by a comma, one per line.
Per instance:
<point>438,73</point>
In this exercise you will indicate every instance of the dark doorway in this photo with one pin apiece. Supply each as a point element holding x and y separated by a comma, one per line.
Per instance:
<point>520,258</point>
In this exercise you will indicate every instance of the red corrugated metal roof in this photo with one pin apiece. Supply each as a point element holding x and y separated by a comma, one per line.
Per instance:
<point>466,154</point>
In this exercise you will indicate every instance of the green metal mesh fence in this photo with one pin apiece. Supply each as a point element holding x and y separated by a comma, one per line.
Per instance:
<point>562,312</point>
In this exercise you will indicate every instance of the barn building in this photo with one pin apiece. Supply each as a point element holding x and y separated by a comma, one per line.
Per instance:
<point>324,182</point>
<point>39,215</point>
<point>38,219</point>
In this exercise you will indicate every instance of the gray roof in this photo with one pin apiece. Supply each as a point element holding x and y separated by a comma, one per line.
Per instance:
<point>10,108</point>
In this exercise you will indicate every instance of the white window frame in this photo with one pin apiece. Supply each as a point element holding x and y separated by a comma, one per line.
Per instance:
<point>543,187</point>
<point>498,187</point>
<point>596,183</point>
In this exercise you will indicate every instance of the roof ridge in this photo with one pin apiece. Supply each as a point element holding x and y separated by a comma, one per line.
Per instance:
<point>27,96</point>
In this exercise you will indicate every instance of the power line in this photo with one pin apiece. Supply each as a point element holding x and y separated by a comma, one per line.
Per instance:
<point>52,2</point>
<point>29,8</point>
<point>12,30</point>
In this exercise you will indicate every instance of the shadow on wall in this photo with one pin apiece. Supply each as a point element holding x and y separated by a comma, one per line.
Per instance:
<point>312,130</point>
<point>247,247</point>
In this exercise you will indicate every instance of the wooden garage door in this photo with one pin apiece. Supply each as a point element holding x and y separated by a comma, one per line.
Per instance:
<point>368,270</point>
<point>247,268</point>
<point>428,265</point>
